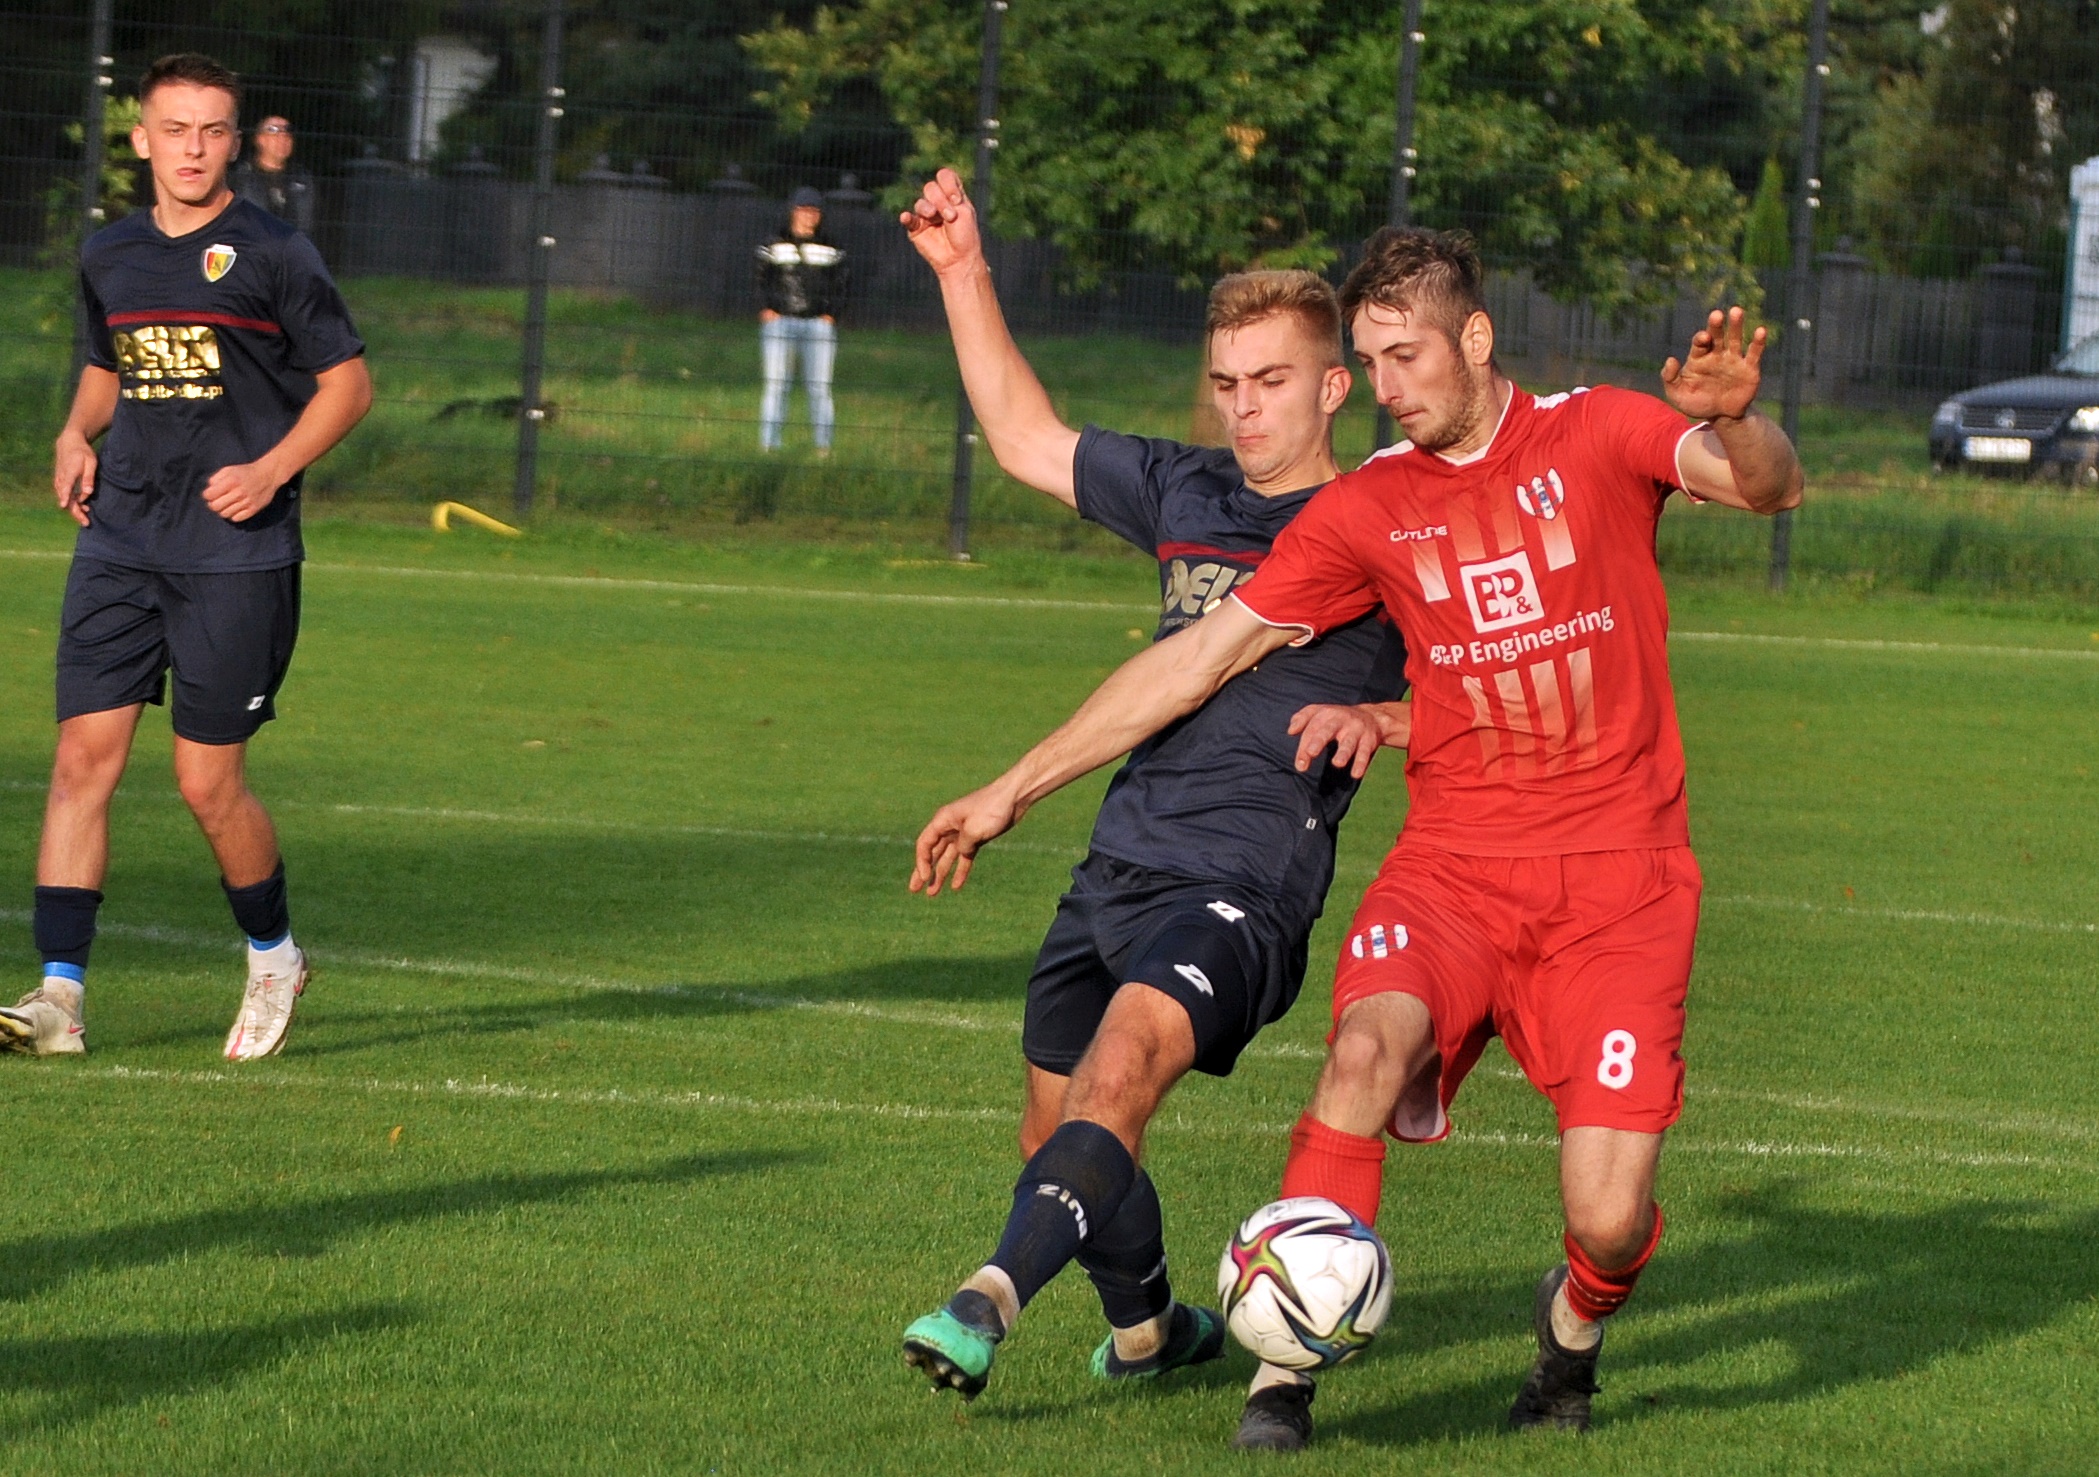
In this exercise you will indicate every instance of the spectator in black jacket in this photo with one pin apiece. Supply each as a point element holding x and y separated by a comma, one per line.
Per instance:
<point>269,178</point>
<point>802,283</point>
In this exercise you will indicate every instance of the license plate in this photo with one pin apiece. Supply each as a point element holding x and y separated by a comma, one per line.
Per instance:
<point>1998,449</point>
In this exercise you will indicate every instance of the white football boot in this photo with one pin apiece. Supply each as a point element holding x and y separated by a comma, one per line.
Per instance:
<point>265,1018</point>
<point>46,1021</point>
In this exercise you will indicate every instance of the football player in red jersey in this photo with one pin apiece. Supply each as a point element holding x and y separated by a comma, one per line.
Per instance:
<point>1543,888</point>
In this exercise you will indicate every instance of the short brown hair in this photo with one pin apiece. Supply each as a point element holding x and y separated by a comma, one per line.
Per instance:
<point>1249,297</point>
<point>195,68</point>
<point>1411,268</point>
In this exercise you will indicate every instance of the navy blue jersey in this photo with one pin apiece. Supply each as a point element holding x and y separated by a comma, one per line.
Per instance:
<point>215,338</point>
<point>1217,795</point>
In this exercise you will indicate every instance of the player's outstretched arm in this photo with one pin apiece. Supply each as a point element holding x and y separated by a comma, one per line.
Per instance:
<point>1743,459</point>
<point>341,397</point>
<point>1161,683</point>
<point>73,459</point>
<point>1029,439</point>
<point>1355,732</point>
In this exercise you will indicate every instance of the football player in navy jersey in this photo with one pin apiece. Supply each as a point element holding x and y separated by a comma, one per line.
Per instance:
<point>1185,929</point>
<point>222,363</point>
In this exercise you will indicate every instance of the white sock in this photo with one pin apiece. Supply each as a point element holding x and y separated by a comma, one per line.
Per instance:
<point>1570,1330</point>
<point>1143,1340</point>
<point>996,1285</point>
<point>1275,1374</point>
<point>68,990</point>
<point>281,957</point>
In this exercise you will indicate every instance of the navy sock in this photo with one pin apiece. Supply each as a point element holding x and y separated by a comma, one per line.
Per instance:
<point>262,911</point>
<point>1126,1259</point>
<point>1071,1188</point>
<point>65,926</point>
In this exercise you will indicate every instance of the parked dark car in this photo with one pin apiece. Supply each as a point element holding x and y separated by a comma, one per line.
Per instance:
<point>2043,423</point>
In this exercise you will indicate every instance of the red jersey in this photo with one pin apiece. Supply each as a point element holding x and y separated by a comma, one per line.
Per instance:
<point>1526,586</point>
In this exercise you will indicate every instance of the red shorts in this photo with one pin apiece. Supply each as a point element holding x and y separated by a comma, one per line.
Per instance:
<point>1580,963</point>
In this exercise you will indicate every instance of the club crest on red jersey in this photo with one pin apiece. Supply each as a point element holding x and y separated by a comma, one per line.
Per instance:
<point>1544,497</point>
<point>218,261</point>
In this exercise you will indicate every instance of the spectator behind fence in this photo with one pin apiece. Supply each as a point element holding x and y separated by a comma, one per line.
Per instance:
<point>270,179</point>
<point>802,284</point>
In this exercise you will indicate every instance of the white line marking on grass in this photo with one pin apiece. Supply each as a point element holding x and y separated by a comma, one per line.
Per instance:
<point>1030,602</point>
<point>765,592</point>
<point>588,823</point>
<point>456,815</point>
<point>826,1107</point>
<point>1923,648</point>
<point>1912,915</point>
<point>1979,1119</point>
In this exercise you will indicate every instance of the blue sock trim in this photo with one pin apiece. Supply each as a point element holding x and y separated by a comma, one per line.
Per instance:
<point>59,969</point>
<point>256,943</point>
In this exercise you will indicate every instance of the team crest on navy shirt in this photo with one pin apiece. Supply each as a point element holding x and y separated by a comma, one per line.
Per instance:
<point>218,261</point>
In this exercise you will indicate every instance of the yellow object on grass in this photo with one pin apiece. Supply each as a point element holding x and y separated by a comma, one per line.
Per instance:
<point>441,520</point>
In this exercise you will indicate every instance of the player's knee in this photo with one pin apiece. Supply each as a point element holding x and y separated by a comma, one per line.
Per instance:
<point>209,793</point>
<point>83,770</point>
<point>1362,1058</point>
<point>1611,1235</point>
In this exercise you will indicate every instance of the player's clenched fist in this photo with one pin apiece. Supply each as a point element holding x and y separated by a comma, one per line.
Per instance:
<point>239,493</point>
<point>943,223</point>
<point>954,835</point>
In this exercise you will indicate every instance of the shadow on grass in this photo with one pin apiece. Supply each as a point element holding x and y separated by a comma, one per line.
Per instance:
<point>326,1029</point>
<point>64,1381</point>
<point>309,1228</point>
<point>1852,1297</point>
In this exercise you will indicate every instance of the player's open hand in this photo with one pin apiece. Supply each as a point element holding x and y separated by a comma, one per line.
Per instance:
<point>73,475</point>
<point>943,223</point>
<point>1718,379</point>
<point>239,493</point>
<point>1355,733</point>
<point>957,831</point>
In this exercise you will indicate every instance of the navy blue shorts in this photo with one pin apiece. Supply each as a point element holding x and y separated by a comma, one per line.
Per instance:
<point>1216,947</point>
<point>226,638</point>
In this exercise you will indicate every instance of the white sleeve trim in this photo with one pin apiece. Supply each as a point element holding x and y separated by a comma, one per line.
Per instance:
<point>1682,483</point>
<point>1309,633</point>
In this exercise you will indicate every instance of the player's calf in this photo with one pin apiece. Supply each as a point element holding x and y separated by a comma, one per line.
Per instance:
<point>1572,1303</point>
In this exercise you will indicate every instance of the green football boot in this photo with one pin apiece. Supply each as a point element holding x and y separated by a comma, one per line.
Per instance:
<point>953,1354</point>
<point>1195,1336</point>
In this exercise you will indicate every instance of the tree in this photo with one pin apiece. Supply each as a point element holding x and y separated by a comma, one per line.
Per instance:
<point>1766,240</point>
<point>1210,136</point>
<point>1970,154</point>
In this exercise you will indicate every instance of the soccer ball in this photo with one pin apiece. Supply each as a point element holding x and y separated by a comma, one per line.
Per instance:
<point>1305,1284</point>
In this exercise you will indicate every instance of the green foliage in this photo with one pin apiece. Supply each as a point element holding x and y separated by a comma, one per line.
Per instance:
<point>63,225</point>
<point>1969,152</point>
<point>1214,136</point>
<point>1765,237</point>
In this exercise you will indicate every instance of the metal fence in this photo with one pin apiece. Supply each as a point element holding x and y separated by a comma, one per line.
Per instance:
<point>545,217</point>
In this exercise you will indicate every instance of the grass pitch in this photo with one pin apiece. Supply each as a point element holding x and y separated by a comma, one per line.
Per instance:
<point>636,1106</point>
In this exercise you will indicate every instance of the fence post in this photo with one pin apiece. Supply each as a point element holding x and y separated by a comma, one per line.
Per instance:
<point>531,413</point>
<point>94,128</point>
<point>980,193</point>
<point>1800,286</point>
<point>1399,210</point>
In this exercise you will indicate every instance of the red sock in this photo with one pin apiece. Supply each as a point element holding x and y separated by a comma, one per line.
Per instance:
<point>1595,1293</point>
<point>1346,1168</point>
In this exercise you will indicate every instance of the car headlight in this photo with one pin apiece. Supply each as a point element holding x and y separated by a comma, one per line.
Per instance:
<point>2086,420</point>
<point>1947,413</point>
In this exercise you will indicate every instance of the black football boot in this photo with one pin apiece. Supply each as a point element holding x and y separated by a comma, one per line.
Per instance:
<point>1556,1396</point>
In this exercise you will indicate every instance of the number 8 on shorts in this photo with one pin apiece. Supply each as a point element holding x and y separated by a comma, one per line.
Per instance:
<point>1615,1071</point>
